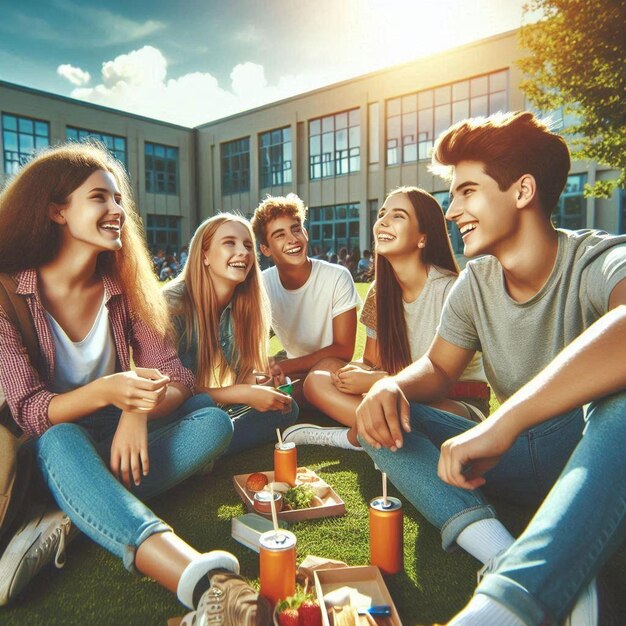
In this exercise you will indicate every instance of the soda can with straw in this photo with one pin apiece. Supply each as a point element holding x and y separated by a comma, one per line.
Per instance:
<point>285,461</point>
<point>386,532</point>
<point>277,561</point>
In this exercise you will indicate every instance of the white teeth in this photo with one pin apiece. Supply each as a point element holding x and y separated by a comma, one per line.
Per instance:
<point>385,237</point>
<point>294,250</point>
<point>466,228</point>
<point>238,265</point>
<point>110,227</point>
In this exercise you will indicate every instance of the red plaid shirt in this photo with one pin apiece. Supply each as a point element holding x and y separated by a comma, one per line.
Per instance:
<point>27,390</point>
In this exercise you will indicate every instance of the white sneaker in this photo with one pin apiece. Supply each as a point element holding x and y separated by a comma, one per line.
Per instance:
<point>309,434</point>
<point>41,538</point>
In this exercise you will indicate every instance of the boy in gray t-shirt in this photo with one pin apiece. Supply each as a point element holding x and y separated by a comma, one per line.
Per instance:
<point>528,306</point>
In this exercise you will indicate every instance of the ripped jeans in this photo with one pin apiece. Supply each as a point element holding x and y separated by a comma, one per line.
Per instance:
<point>74,460</point>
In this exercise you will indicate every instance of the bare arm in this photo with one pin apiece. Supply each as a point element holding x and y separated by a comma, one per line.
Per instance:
<point>384,412</point>
<point>591,367</point>
<point>342,347</point>
<point>260,397</point>
<point>140,391</point>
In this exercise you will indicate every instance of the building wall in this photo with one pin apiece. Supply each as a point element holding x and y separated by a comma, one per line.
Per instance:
<point>358,193</point>
<point>371,95</point>
<point>62,112</point>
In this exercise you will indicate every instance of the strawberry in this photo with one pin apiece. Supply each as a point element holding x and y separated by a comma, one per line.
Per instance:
<point>310,613</point>
<point>289,617</point>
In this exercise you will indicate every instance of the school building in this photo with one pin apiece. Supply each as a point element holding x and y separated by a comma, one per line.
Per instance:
<point>341,148</point>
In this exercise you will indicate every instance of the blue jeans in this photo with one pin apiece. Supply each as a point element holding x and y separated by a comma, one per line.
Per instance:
<point>579,524</point>
<point>74,460</point>
<point>257,427</point>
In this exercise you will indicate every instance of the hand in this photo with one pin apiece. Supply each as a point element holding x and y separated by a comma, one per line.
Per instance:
<point>465,458</point>
<point>354,379</point>
<point>138,391</point>
<point>265,399</point>
<point>383,414</point>
<point>129,449</point>
<point>278,376</point>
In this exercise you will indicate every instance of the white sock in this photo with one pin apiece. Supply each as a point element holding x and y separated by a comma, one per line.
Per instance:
<point>200,567</point>
<point>345,442</point>
<point>485,611</point>
<point>585,611</point>
<point>485,539</point>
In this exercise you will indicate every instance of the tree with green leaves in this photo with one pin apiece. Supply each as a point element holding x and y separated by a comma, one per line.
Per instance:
<point>578,62</point>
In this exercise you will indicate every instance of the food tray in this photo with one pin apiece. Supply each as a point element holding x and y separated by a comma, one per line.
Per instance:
<point>333,505</point>
<point>367,580</point>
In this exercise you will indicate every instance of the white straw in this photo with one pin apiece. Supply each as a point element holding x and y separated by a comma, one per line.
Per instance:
<point>273,506</point>
<point>280,439</point>
<point>384,489</point>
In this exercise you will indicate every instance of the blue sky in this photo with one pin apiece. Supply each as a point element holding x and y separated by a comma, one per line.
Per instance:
<point>191,61</point>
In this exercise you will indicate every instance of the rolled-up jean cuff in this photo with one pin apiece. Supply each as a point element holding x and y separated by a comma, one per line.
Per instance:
<point>515,598</point>
<point>154,527</point>
<point>459,522</point>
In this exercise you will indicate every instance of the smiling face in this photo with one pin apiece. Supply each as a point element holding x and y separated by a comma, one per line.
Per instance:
<point>230,256</point>
<point>487,217</point>
<point>287,241</point>
<point>396,231</point>
<point>93,214</point>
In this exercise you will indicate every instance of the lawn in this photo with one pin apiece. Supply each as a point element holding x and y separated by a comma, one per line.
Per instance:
<point>94,588</point>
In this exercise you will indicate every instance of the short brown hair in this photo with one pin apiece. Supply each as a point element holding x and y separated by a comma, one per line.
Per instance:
<point>274,207</point>
<point>508,145</point>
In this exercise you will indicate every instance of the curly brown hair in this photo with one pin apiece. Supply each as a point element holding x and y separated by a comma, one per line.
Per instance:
<point>274,207</point>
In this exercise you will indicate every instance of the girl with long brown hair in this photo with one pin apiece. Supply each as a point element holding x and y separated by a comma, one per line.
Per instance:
<point>415,269</point>
<point>221,316</point>
<point>106,436</point>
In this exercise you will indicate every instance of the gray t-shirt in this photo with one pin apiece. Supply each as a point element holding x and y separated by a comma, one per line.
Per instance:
<point>518,339</point>
<point>422,318</point>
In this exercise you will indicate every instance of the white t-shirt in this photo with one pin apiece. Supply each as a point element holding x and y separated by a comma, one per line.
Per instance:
<point>303,318</point>
<point>79,362</point>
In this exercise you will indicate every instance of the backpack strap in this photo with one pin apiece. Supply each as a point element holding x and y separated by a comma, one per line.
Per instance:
<point>17,311</point>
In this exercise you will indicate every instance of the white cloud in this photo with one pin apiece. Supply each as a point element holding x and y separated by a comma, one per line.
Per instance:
<point>138,82</point>
<point>75,75</point>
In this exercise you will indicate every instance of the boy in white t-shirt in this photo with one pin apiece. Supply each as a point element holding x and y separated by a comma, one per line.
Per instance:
<point>314,303</point>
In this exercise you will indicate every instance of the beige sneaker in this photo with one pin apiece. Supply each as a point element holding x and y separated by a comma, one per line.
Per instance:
<point>41,539</point>
<point>229,601</point>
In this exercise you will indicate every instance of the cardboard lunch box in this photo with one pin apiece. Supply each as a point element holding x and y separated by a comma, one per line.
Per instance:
<point>333,505</point>
<point>367,580</point>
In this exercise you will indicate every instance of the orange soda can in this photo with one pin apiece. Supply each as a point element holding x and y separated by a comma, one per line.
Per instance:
<point>285,463</point>
<point>277,557</point>
<point>386,540</point>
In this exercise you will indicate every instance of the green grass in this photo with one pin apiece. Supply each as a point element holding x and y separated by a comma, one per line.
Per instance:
<point>94,588</point>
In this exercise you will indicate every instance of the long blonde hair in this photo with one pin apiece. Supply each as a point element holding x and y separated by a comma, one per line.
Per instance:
<point>29,238</point>
<point>198,305</point>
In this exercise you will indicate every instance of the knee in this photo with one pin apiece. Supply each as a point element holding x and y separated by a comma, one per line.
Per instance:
<point>219,424</point>
<point>313,383</point>
<point>197,402</point>
<point>59,436</point>
<point>328,364</point>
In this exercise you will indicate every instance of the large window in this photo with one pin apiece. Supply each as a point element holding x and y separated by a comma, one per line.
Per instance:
<point>161,168</point>
<point>115,144</point>
<point>333,227</point>
<point>443,197</point>
<point>21,136</point>
<point>163,232</point>
<point>236,166</point>
<point>571,211</point>
<point>335,144</point>
<point>275,157</point>
<point>415,120</point>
